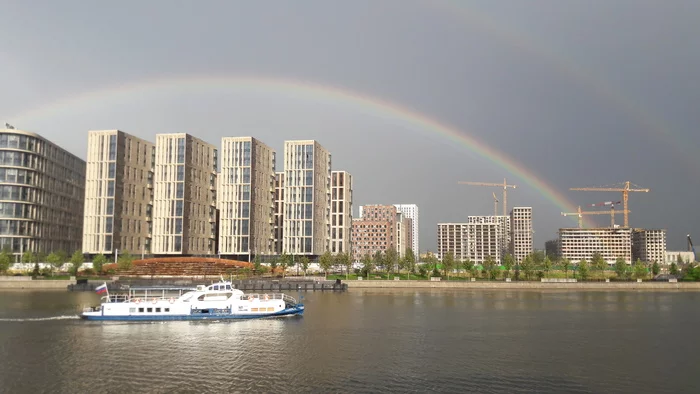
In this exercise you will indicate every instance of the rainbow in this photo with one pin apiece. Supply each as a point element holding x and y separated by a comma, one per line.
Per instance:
<point>651,124</point>
<point>309,90</point>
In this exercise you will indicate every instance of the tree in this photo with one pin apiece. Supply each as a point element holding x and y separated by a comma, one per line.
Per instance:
<point>378,260</point>
<point>124,263</point>
<point>77,260</point>
<point>367,264</point>
<point>410,261</point>
<point>5,261</point>
<point>673,269</point>
<point>290,261</point>
<point>655,269</point>
<point>508,263</point>
<point>283,262</point>
<point>547,265</point>
<point>391,258</point>
<point>489,265</point>
<point>257,264</point>
<point>566,265</point>
<point>448,263</point>
<point>325,262</point>
<point>55,260</point>
<point>537,259</point>
<point>344,260</point>
<point>63,256</point>
<point>98,262</point>
<point>640,271</point>
<point>468,266</point>
<point>583,269</point>
<point>273,266</point>
<point>28,257</point>
<point>304,264</point>
<point>679,260</point>
<point>599,263</point>
<point>527,266</point>
<point>620,267</point>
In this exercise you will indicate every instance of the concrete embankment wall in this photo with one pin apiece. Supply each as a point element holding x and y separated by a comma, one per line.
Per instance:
<point>27,283</point>
<point>498,285</point>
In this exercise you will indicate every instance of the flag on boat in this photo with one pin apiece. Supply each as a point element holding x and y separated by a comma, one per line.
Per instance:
<point>101,288</point>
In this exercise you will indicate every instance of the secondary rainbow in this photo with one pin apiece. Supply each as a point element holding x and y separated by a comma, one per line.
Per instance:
<point>312,91</point>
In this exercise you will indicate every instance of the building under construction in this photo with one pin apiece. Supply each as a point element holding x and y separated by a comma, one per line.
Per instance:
<point>581,243</point>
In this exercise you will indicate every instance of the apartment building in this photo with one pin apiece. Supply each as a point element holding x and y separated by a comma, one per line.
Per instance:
<point>410,211</point>
<point>341,212</point>
<point>279,212</point>
<point>118,193</point>
<point>649,245</point>
<point>42,192</point>
<point>184,203</point>
<point>521,232</point>
<point>484,240</point>
<point>503,233</point>
<point>404,234</point>
<point>581,243</point>
<point>452,238</point>
<point>246,198</point>
<point>370,236</point>
<point>307,198</point>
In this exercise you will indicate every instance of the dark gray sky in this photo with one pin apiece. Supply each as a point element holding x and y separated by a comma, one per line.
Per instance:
<point>579,93</point>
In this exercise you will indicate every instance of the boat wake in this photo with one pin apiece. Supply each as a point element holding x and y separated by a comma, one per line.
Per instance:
<point>26,319</point>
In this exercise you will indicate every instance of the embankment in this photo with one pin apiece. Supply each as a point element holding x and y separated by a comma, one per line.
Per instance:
<point>499,285</point>
<point>27,283</point>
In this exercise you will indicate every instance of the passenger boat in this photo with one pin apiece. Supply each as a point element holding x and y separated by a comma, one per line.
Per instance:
<point>218,301</point>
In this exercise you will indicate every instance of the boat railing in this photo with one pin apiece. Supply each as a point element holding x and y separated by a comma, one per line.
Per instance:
<point>270,296</point>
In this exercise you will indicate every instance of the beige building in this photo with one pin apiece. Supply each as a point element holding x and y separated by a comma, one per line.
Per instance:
<point>404,234</point>
<point>370,236</point>
<point>279,212</point>
<point>484,240</point>
<point>452,238</point>
<point>42,191</point>
<point>581,243</point>
<point>410,211</point>
<point>503,236</point>
<point>118,194</point>
<point>521,232</point>
<point>307,198</point>
<point>649,245</point>
<point>246,197</point>
<point>184,203</point>
<point>341,212</point>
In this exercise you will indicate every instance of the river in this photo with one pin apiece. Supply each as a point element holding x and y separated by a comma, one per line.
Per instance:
<point>365,341</point>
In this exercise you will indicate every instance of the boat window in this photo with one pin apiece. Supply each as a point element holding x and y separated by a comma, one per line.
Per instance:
<point>228,287</point>
<point>149,310</point>
<point>132,310</point>
<point>157,309</point>
<point>140,309</point>
<point>215,288</point>
<point>167,309</point>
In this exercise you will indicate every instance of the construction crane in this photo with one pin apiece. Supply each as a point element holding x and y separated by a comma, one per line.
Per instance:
<point>495,205</point>
<point>612,209</point>
<point>581,213</point>
<point>504,185</point>
<point>626,189</point>
<point>692,248</point>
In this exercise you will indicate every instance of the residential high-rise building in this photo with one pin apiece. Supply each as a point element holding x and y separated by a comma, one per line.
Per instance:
<point>484,240</point>
<point>307,198</point>
<point>341,212</point>
<point>404,234</point>
<point>42,192</point>
<point>503,231</point>
<point>246,197</point>
<point>649,245</point>
<point>452,238</point>
<point>370,236</point>
<point>279,212</point>
<point>521,232</point>
<point>581,243</point>
<point>118,194</point>
<point>184,203</point>
<point>410,211</point>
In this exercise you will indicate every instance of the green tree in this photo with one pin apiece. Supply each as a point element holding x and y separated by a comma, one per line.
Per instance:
<point>583,269</point>
<point>448,263</point>
<point>546,265</point>
<point>124,263</point>
<point>273,266</point>
<point>537,259</point>
<point>98,262</point>
<point>367,264</point>
<point>5,261</point>
<point>489,267</point>
<point>673,269</point>
<point>655,269</point>
<point>640,271</point>
<point>566,265</point>
<point>527,266</point>
<point>325,262</point>
<point>378,260</point>
<point>290,261</point>
<point>304,263</point>
<point>55,260</point>
<point>468,265</point>
<point>432,262</point>
<point>63,256</point>
<point>620,267</point>
<point>599,263</point>
<point>410,258</point>
<point>679,260</point>
<point>508,263</point>
<point>391,258</point>
<point>257,264</point>
<point>344,260</point>
<point>283,262</point>
<point>77,260</point>
<point>28,257</point>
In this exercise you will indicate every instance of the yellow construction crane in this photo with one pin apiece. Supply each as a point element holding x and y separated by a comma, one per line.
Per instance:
<point>581,213</point>
<point>504,185</point>
<point>626,189</point>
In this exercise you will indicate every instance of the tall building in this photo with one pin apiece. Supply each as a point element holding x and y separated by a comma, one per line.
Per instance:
<point>246,197</point>
<point>42,192</point>
<point>370,236</point>
<point>341,212</point>
<point>452,238</point>
<point>503,231</point>
<point>404,234</point>
<point>279,212</point>
<point>521,232</point>
<point>552,249</point>
<point>118,194</point>
<point>649,245</point>
<point>184,203</point>
<point>484,240</point>
<point>307,198</point>
<point>410,211</point>
<point>581,243</point>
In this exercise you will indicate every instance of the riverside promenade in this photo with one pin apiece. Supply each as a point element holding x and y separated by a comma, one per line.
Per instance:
<point>521,285</point>
<point>27,283</point>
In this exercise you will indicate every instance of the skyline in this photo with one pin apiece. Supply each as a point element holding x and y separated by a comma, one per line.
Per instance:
<point>571,105</point>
